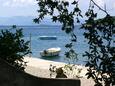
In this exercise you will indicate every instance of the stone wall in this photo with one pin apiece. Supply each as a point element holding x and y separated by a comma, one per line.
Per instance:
<point>9,76</point>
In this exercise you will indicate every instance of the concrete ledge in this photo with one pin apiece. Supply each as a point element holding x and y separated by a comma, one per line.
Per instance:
<point>9,76</point>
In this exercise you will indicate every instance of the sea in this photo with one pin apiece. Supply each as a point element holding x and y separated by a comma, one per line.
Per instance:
<point>32,34</point>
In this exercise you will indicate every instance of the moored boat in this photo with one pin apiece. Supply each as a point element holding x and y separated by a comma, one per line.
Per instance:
<point>47,37</point>
<point>50,52</point>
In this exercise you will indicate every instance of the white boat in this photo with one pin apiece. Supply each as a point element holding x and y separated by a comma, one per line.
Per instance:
<point>47,37</point>
<point>50,52</point>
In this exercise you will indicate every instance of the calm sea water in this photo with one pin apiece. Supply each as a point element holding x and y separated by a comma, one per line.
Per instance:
<point>38,45</point>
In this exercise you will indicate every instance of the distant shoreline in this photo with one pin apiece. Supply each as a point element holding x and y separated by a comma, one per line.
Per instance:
<point>33,25</point>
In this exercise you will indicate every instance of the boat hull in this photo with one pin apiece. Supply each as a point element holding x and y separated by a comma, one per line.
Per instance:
<point>50,52</point>
<point>48,38</point>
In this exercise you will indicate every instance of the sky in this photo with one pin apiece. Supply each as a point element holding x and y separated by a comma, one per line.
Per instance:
<point>9,8</point>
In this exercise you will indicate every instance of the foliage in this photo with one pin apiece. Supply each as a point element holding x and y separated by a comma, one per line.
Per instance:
<point>101,55</point>
<point>100,34</point>
<point>64,16</point>
<point>66,71</point>
<point>13,48</point>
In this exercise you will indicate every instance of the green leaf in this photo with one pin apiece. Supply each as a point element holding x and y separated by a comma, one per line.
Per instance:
<point>54,18</point>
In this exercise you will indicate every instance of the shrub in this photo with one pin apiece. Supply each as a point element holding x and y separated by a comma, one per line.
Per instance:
<point>13,47</point>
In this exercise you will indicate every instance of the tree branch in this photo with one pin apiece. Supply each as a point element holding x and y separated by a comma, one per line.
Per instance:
<point>99,7</point>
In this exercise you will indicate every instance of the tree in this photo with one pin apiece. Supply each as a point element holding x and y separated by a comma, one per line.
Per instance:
<point>100,34</point>
<point>66,18</point>
<point>13,47</point>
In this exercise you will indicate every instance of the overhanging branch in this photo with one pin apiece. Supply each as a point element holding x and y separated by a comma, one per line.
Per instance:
<point>99,7</point>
